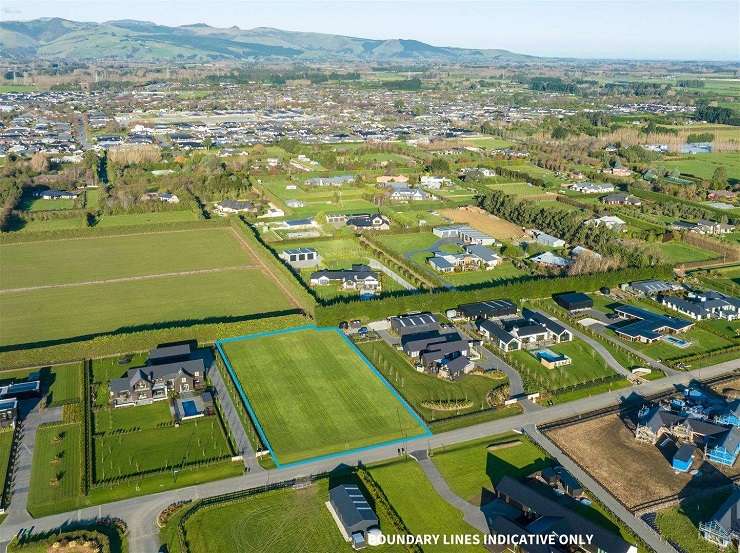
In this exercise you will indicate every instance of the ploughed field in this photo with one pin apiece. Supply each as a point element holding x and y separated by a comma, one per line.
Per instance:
<point>313,394</point>
<point>58,289</point>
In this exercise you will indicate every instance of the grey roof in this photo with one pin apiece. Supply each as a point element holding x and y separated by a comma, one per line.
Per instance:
<point>728,514</point>
<point>730,440</point>
<point>489,308</point>
<point>410,323</point>
<point>561,519</point>
<point>351,506</point>
<point>455,365</point>
<point>497,331</point>
<point>356,273</point>
<point>440,262</point>
<point>482,252</point>
<point>167,352</point>
<point>684,452</point>
<point>151,373</point>
<point>544,320</point>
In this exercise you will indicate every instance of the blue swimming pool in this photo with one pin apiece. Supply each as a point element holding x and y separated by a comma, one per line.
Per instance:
<point>548,355</point>
<point>189,409</point>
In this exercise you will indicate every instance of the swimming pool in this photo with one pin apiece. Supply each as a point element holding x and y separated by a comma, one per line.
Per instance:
<point>189,408</point>
<point>678,342</point>
<point>548,355</point>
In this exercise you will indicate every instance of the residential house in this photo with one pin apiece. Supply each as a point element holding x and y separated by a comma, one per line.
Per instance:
<point>705,305</point>
<point>651,287</point>
<point>464,233</point>
<point>433,183</point>
<point>359,277</point>
<point>723,528</point>
<point>406,194</point>
<point>339,180</point>
<point>621,198</point>
<point>301,257</point>
<point>473,258</point>
<point>609,221</point>
<point>592,187</point>
<point>8,412</point>
<point>547,239</point>
<point>550,260</point>
<point>235,206</point>
<point>368,222</point>
<point>54,194</point>
<point>646,326</point>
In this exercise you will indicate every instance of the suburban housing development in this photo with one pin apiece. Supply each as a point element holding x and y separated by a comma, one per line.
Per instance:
<point>276,291</point>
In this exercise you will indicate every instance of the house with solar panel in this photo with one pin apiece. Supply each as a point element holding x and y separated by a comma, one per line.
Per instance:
<point>355,518</point>
<point>301,257</point>
<point>641,325</point>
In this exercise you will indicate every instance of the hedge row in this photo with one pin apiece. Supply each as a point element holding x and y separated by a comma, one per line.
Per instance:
<point>90,232</point>
<point>118,344</point>
<point>440,300</point>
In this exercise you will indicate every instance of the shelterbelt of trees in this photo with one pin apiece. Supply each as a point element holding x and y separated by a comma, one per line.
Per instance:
<point>569,226</point>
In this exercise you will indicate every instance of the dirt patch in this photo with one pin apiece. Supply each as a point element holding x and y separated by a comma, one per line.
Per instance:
<point>729,389</point>
<point>634,472</point>
<point>484,222</point>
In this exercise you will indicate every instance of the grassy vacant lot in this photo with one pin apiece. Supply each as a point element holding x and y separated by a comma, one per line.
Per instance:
<point>167,447</point>
<point>586,365</point>
<point>413,497</point>
<point>676,252</point>
<point>681,524</point>
<point>520,189</point>
<point>313,395</point>
<point>471,467</point>
<point>146,218</point>
<point>53,290</point>
<point>55,473</point>
<point>704,165</point>
<point>417,387</point>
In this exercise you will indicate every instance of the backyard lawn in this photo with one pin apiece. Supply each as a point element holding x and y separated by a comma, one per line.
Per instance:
<point>681,524</point>
<point>318,396</point>
<point>677,252</point>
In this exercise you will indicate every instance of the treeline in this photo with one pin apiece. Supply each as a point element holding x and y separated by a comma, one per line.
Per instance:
<point>716,114</point>
<point>244,76</point>
<point>690,83</point>
<point>564,224</point>
<point>552,84</point>
<point>403,84</point>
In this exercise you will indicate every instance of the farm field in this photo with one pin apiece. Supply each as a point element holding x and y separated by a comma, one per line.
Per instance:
<point>137,280</point>
<point>704,165</point>
<point>264,516</point>
<point>419,388</point>
<point>128,219</point>
<point>520,189</point>
<point>413,497</point>
<point>169,447</point>
<point>318,396</point>
<point>40,225</point>
<point>587,365</point>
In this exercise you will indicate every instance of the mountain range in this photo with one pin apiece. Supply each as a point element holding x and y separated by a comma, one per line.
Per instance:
<point>55,38</point>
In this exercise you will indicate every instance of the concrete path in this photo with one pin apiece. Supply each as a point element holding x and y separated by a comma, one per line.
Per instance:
<point>374,264</point>
<point>140,512</point>
<point>604,333</point>
<point>231,415</point>
<point>471,513</point>
<point>30,422</point>
<point>637,525</point>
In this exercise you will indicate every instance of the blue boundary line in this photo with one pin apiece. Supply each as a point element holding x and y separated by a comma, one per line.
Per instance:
<point>263,436</point>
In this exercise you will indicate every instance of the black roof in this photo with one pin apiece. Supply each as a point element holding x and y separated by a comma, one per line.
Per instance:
<point>166,352</point>
<point>351,506</point>
<point>489,308</point>
<point>573,300</point>
<point>684,452</point>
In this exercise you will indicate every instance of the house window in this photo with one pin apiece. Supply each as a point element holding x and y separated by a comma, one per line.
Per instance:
<point>184,379</point>
<point>196,373</point>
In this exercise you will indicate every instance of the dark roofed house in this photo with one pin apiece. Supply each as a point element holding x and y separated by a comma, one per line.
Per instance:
<point>169,353</point>
<point>403,324</point>
<point>8,412</point>
<point>359,277</point>
<point>353,512</point>
<point>573,301</point>
<point>489,309</point>
<point>235,206</point>
<point>647,326</point>
<point>498,335</point>
<point>542,515</point>
<point>724,526</point>
<point>368,222</point>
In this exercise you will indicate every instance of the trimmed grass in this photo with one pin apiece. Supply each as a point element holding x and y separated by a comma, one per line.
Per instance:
<point>313,395</point>
<point>704,165</point>
<point>55,474</point>
<point>418,387</point>
<point>130,453</point>
<point>586,365</point>
<point>472,467</point>
<point>146,218</point>
<point>61,383</point>
<point>140,417</point>
<point>676,252</point>
<point>58,313</point>
<point>701,341</point>
<point>6,445</point>
<point>421,508</point>
<point>280,521</point>
<point>681,524</point>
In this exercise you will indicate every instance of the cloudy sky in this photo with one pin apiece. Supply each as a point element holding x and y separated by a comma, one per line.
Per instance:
<point>639,29</point>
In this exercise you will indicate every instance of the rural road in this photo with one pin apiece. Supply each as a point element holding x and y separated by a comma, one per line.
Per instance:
<point>140,512</point>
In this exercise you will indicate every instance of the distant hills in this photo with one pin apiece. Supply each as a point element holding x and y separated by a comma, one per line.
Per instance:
<point>55,38</point>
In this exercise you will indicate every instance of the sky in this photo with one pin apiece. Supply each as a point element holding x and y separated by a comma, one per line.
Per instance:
<point>635,29</point>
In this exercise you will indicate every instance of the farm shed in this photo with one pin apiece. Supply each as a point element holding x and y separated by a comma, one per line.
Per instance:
<point>573,301</point>
<point>354,513</point>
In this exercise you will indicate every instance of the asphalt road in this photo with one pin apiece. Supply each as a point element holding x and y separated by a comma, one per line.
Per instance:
<point>140,512</point>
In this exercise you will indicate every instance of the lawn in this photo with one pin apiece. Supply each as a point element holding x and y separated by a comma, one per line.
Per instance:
<point>520,189</point>
<point>313,395</point>
<point>6,446</point>
<point>142,279</point>
<point>40,225</point>
<point>676,252</point>
<point>56,470</point>
<point>472,467</point>
<point>141,417</point>
<point>61,383</point>
<point>170,447</point>
<point>414,499</point>
<point>704,165</point>
<point>29,203</point>
<point>504,271</point>
<point>419,388</point>
<point>158,217</point>
<point>701,340</point>
<point>681,524</point>
<point>587,365</point>
<point>280,521</point>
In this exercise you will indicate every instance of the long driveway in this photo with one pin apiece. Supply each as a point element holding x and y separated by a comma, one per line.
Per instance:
<point>604,333</point>
<point>637,525</point>
<point>375,264</point>
<point>140,512</point>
